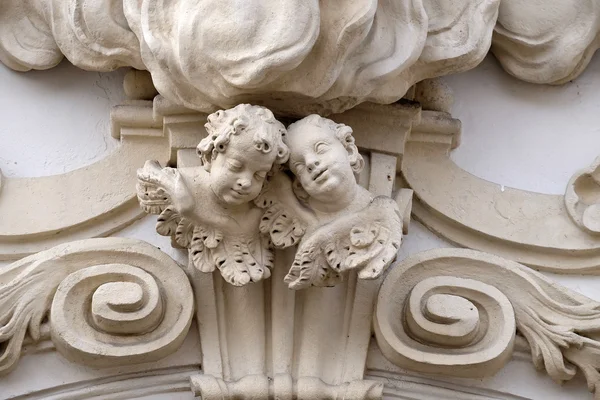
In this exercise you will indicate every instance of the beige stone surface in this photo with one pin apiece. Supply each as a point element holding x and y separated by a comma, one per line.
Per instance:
<point>454,312</point>
<point>111,301</point>
<point>97,200</point>
<point>209,209</point>
<point>535,229</point>
<point>342,226</point>
<point>318,337</point>
<point>582,198</point>
<point>299,57</point>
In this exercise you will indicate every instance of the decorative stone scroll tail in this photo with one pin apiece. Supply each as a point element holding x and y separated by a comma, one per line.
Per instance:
<point>464,324</point>
<point>109,301</point>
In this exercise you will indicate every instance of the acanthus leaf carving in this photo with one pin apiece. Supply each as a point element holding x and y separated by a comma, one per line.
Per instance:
<point>464,324</point>
<point>107,301</point>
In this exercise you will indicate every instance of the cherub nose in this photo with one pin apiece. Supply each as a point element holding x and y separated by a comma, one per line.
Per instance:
<point>312,165</point>
<point>243,183</point>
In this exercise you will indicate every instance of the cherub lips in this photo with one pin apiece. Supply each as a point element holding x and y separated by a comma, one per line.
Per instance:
<point>319,175</point>
<point>240,193</point>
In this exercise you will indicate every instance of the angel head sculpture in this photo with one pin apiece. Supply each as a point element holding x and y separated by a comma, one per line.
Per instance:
<point>209,208</point>
<point>337,224</point>
<point>242,145</point>
<point>325,161</point>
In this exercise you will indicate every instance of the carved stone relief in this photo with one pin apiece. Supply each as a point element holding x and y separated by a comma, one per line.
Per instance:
<point>107,301</point>
<point>299,57</point>
<point>306,356</point>
<point>582,198</point>
<point>232,209</point>
<point>318,205</point>
<point>463,324</point>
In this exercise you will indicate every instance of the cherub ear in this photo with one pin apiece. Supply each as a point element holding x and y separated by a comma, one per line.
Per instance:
<point>356,160</point>
<point>344,135</point>
<point>205,162</point>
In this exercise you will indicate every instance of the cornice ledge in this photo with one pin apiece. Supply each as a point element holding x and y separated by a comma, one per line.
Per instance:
<point>283,386</point>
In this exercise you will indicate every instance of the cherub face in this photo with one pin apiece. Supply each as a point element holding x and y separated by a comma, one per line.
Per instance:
<point>238,173</point>
<point>320,161</point>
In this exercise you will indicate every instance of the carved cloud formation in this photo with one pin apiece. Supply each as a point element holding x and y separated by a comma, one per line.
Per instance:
<point>299,56</point>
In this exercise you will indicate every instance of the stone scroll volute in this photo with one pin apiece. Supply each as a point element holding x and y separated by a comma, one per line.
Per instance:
<point>106,302</point>
<point>458,312</point>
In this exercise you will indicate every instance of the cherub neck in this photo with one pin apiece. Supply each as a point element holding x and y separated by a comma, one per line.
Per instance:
<point>236,211</point>
<point>335,203</point>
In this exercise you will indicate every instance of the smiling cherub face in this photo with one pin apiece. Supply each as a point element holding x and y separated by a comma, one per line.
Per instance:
<point>323,157</point>
<point>242,146</point>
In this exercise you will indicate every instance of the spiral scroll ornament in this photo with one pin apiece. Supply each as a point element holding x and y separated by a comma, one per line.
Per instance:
<point>456,311</point>
<point>111,302</point>
<point>449,322</point>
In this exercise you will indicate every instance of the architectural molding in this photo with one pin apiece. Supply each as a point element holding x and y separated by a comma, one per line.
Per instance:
<point>111,301</point>
<point>531,228</point>
<point>463,323</point>
<point>42,212</point>
<point>264,207</point>
<point>121,386</point>
<point>239,203</point>
<point>299,57</point>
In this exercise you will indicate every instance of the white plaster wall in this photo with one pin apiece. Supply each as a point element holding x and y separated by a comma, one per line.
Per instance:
<point>523,135</point>
<point>516,134</point>
<point>57,120</point>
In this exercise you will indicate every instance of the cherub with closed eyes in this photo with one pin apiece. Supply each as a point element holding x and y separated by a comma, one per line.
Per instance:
<point>209,209</point>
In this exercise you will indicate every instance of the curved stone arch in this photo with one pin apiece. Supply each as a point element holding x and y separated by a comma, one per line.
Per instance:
<point>92,201</point>
<point>531,228</point>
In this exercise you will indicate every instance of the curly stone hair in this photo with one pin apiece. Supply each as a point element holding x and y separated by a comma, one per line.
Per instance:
<point>223,124</point>
<point>342,132</point>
